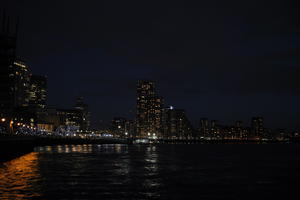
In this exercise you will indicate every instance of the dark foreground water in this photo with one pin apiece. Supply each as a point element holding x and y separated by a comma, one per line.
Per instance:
<point>215,171</point>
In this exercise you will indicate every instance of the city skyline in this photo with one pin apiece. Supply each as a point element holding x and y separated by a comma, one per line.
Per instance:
<point>117,99</point>
<point>214,86</point>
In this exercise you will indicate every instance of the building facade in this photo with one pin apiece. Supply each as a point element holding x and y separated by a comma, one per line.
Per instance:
<point>7,74</point>
<point>118,126</point>
<point>204,128</point>
<point>82,108</point>
<point>176,124</point>
<point>257,127</point>
<point>16,81</point>
<point>38,91</point>
<point>148,111</point>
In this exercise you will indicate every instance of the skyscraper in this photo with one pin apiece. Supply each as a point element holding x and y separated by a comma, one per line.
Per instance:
<point>119,126</point>
<point>238,130</point>
<point>158,112</point>
<point>19,91</point>
<point>38,91</point>
<point>257,127</point>
<point>148,110</point>
<point>84,114</point>
<point>176,124</point>
<point>130,128</point>
<point>214,129</point>
<point>204,127</point>
<point>7,73</point>
<point>21,83</point>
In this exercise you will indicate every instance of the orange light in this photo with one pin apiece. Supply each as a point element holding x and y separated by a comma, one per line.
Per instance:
<point>3,119</point>
<point>11,123</point>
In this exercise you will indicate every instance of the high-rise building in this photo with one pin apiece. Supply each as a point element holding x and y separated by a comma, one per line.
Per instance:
<point>214,129</point>
<point>176,124</point>
<point>68,117</point>
<point>7,67</point>
<point>119,126</point>
<point>238,130</point>
<point>204,127</point>
<point>38,91</point>
<point>149,110</point>
<point>130,128</point>
<point>14,93</point>
<point>158,112</point>
<point>83,112</point>
<point>257,127</point>
<point>18,89</point>
<point>21,83</point>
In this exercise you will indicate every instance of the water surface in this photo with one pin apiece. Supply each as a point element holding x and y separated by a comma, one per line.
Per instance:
<point>197,171</point>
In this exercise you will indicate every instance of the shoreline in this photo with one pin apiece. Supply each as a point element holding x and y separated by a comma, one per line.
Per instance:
<point>13,146</point>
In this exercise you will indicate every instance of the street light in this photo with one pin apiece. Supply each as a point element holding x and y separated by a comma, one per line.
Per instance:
<point>3,120</point>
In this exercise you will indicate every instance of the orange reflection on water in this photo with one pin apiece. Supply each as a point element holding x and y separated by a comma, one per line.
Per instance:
<point>19,178</point>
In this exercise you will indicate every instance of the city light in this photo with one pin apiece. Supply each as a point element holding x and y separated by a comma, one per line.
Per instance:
<point>144,139</point>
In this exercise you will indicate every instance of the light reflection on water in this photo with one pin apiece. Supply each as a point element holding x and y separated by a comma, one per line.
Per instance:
<point>83,148</point>
<point>151,172</point>
<point>19,178</point>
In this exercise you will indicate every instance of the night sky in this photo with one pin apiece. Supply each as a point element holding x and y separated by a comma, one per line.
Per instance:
<point>222,60</point>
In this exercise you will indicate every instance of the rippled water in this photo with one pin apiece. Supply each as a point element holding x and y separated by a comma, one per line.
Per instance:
<point>153,172</point>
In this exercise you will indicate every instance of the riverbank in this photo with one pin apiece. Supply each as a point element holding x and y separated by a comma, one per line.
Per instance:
<point>13,146</point>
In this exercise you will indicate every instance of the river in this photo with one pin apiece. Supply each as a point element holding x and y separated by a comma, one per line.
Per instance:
<point>166,171</point>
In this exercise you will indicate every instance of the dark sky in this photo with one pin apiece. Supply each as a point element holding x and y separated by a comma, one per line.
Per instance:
<point>225,60</point>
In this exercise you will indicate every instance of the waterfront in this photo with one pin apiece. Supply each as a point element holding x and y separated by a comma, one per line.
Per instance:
<point>205,171</point>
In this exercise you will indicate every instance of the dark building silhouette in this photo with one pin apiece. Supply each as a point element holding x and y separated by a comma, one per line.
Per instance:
<point>8,67</point>
<point>130,128</point>
<point>77,118</point>
<point>38,91</point>
<point>239,132</point>
<point>68,117</point>
<point>257,127</point>
<point>118,126</point>
<point>122,127</point>
<point>22,96</point>
<point>214,129</point>
<point>176,124</point>
<point>84,115</point>
<point>158,112</point>
<point>149,110</point>
<point>204,127</point>
<point>21,83</point>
